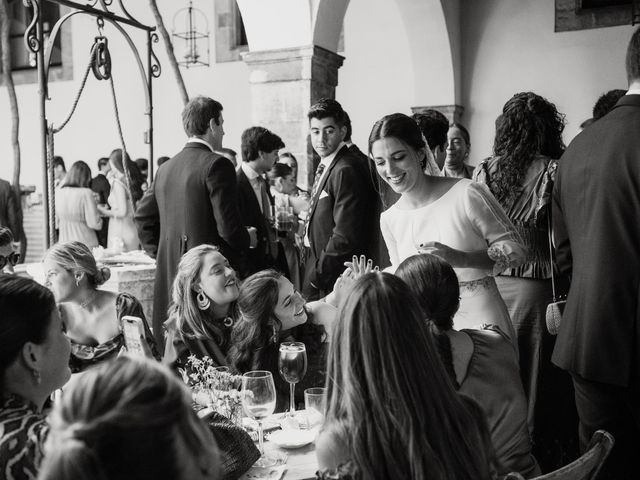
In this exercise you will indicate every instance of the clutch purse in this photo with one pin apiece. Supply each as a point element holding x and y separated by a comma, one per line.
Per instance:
<point>553,316</point>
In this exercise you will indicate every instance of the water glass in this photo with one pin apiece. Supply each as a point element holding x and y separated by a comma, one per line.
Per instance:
<point>315,403</point>
<point>259,401</point>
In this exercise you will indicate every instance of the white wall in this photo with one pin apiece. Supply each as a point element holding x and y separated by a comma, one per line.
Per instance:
<point>510,46</point>
<point>92,132</point>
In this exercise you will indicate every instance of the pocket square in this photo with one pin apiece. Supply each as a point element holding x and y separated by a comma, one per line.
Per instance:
<point>323,194</point>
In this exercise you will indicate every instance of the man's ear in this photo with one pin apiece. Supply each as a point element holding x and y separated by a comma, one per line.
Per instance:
<point>343,131</point>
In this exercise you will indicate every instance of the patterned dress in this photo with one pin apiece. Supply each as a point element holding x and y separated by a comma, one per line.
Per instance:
<point>22,433</point>
<point>84,356</point>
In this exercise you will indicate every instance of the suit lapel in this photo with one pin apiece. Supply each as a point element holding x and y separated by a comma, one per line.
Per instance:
<point>341,153</point>
<point>248,192</point>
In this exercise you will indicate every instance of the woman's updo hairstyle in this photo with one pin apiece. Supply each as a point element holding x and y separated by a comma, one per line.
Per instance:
<point>435,284</point>
<point>75,257</point>
<point>129,418</point>
<point>25,314</point>
<point>279,170</point>
<point>402,127</point>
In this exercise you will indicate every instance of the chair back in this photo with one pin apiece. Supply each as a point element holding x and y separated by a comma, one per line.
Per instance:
<point>586,467</point>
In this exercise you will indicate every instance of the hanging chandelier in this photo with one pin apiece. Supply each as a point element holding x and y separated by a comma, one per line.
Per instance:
<point>191,37</point>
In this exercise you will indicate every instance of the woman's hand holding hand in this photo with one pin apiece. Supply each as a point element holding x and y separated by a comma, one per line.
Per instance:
<point>455,258</point>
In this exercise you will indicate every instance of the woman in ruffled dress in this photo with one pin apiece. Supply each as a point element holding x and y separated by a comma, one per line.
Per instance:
<point>92,316</point>
<point>453,218</point>
<point>521,174</point>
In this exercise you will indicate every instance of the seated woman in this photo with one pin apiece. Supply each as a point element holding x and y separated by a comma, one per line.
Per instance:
<point>391,410</point>
<point>202,312</point>
<point>483,363</point>
<point>129,418</point>
<point>34,361</point>
<point>271,312</point>
<point>91,316</point>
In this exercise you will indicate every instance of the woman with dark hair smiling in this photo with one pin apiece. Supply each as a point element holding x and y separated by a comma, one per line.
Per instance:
<point>453,218</point>
<point>392,412</point>
<point>34,361</point>
<point>272,311</point>
<point>482,363</point>
<point>76,207</point>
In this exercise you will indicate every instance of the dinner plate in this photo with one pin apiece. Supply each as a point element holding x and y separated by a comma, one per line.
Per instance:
<point>291,438</point>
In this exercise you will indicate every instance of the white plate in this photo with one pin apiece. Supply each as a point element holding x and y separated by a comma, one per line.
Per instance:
<point>292,438</point>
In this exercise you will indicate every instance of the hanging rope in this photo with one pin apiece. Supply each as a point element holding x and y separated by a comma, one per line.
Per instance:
<point>51,207</point>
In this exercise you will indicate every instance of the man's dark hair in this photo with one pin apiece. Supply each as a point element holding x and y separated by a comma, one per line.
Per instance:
<point>633,57</point>
<point>102,161</point>
<point>606,102</point>
<point>258,139</point>
<point>143,163</point>
<point>434,126</point>
<point>162,159</point>
<point>327,107</point>
<point>58,161</point>
<point>197,114</point>
<point>347,123</point>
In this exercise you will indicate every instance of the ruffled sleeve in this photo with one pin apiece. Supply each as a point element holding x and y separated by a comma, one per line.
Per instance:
<point>504,245</point>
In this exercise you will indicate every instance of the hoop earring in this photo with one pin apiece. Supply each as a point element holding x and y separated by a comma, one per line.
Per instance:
<point>77,282</point>
<point>204,302</point>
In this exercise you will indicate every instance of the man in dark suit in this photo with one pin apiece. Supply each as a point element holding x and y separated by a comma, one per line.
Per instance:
<point>341,219</point>
<point>100,185</point>
<point>193,201</point>
<point>259,152</point>
<point>596,205</point>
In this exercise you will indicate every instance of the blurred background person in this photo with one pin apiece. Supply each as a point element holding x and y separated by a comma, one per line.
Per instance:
<point>34,361</point>
<point>130,418</point>
<point>391,409</point>
<point>76,208</point>
<point>143,167</point>
<point>102,188</point>
<point>521,174</point>
<point>162,160</point>
<point>8,256</point>
<point>92,317</point>
<point>458,148</point>
<point>59,170</point>
<point>434,127</point>
<point>482,363</point>
<point>123,235</point>
<point>606,102</point>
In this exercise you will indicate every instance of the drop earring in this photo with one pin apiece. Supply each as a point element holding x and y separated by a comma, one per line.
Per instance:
<point>36,375</point>
<point>204,302</point>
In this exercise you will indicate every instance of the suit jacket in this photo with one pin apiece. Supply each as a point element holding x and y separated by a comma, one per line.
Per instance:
<point>596,205</point>
<point>9,209</point>
<point>257,258</point>
<point>342,222</point>
<point>193,201</point>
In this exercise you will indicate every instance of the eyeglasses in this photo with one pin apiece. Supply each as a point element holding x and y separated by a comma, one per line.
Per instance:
<point>12,258</point>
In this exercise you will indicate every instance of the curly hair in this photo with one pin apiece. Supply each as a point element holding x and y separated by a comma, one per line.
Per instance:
<point>529,125</point>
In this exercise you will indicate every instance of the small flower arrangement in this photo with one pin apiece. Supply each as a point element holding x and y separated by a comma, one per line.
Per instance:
<point>214,387</point>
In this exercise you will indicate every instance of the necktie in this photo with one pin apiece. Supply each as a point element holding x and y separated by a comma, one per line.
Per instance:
<point>272,246</point>
<point>314,196</point>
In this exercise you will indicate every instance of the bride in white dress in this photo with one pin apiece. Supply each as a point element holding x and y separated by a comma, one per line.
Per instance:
<point>456,219</point>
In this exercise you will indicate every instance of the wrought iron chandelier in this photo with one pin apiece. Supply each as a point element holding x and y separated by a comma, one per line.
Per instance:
<point>191,37</point>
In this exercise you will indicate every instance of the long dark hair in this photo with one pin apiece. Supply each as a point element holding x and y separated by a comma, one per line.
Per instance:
<point>26,308</point>
<point>388,388</point>
<point>529,125</point>
<point>137,179</point>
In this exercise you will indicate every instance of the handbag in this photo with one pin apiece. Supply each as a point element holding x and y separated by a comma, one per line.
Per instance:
<point>553,316</point>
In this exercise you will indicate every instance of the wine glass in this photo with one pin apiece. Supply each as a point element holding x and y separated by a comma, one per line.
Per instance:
<point>259,401</point>
<point>293,366</point>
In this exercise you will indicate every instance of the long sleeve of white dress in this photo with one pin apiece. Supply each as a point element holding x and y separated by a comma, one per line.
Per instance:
<point>467,218</point>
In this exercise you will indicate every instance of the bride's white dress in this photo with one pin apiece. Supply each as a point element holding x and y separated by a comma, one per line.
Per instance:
<point>468,218</point>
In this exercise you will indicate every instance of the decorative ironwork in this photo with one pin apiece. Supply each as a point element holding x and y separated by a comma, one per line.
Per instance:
<point>99,64</point>
<point>31,40</point>
<point>192,42</point>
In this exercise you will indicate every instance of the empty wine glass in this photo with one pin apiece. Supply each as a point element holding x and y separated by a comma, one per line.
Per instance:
<point>259,401</point>
<point>293,367</point>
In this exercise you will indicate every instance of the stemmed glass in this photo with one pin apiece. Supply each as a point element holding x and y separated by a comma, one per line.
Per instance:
<point>293,367</point>
<point>259,401</point>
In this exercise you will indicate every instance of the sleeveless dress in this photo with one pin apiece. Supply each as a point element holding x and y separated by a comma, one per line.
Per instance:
<point>468,218</point>
<point>84,356</point>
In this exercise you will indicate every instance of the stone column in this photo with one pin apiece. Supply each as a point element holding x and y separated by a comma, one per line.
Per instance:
<point>284,84</point>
